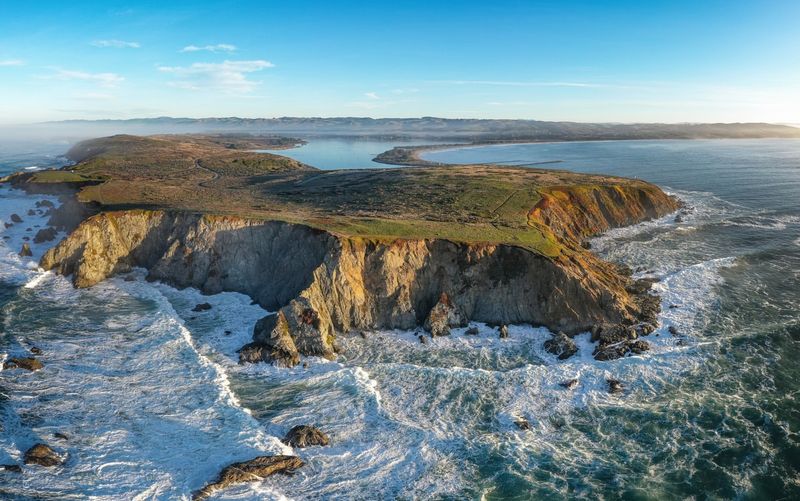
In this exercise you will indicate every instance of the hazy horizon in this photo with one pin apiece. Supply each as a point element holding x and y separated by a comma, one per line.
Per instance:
<point>581,61</point>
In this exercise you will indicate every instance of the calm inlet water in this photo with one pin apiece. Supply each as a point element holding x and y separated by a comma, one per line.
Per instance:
<point>153,403</point>
<point>337,153</point>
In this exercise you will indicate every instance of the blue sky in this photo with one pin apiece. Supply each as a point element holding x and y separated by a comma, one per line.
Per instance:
<point>623,61</point>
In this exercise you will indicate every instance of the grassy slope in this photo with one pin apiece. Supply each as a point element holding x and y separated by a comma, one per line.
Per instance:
<point>476,203</point>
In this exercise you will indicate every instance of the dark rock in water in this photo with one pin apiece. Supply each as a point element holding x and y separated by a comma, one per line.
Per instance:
<point>614,386</point>
<point>31,212</point>
<point>45,203</point>
<point>561,345</point>
<point>304,436</point>
<point>8,225</point>
<point>26,251</point>
<point>60,435</point>
<point>15,218</point>
<point>673,306</point>
<point>305,365</point>
<point>641,285</point>
<point>250,471</point>
<point>228,333</point>
<point>202,307</point>
<point>43,455</point>
<point>45,235</point>
<point>639,346</point>
<point>522,424</point>
<point>35,350</point>
<point>678,218</point>
<point>503,331</point>
<point>443,316</point>
<point>472,331</point>
<point>27,239</point>
<point>273,343</point>
<point>423,339</point>
<point>28,229</point>
<point>129,278</point>
<point>362,334</point>
<point>27,363</point>
<point>570,385</point>
<point>6,237</point>
<point>14,468</point>
<point>672,330</point>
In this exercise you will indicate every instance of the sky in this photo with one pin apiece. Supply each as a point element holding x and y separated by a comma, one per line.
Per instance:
<point>588,61</point>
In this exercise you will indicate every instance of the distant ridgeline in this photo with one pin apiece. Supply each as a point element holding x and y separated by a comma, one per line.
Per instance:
<point>432,128</point>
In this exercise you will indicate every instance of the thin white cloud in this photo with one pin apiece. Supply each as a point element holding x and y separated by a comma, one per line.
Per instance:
<point>103,79</point>
<point>506,83</point>
<point>11,62</point>
<point>228,76</point>
<point>116,44</point>
<point>220,47</point>
<point>372,95</point>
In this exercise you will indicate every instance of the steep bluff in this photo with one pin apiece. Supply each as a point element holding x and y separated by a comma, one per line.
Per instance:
<point>322,283</point>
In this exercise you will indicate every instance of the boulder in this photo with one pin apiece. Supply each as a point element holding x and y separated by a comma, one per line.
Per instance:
<point>15,218</point>
<point>45,203</point>
<point>8,225</point>
<point>304,436</point>
<point>35,350</point>
<point>27,363</point>
<point>616,341</point>
<point>26,250</point>
<point>444,316</point>
<point>202,307</point>
<point>42,455</point>
<point>423,339</point>
<point>45,235</point>
<point>614,386</point>
<point>250,471</point>
<point>472,331</point>
<point>561,345</point>
<point>13,468</point>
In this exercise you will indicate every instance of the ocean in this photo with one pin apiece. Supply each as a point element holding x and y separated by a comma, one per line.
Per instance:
<point>152,402</point>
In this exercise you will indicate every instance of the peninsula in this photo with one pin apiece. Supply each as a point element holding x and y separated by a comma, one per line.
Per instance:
<point>350,250</point>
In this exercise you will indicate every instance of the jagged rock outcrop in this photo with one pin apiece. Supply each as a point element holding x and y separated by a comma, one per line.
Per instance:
<point>305,436</point>
<point>250,471</point>
<point>321,283</point>
<point>43,455</point>
<point>444,316</point>
<point>561,346</point>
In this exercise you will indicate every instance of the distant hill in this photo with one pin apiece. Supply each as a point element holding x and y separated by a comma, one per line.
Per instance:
<point>430,128</point>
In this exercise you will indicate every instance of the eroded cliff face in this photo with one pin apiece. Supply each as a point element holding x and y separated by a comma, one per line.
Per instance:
<point>321,283</point>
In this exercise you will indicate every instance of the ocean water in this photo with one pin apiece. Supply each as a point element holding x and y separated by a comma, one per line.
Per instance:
<point>154,405</point>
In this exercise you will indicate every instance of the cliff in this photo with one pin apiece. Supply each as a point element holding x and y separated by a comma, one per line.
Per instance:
<point>340,283</point>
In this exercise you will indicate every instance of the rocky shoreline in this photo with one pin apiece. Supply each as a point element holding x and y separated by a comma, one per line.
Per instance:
<point>321,284</point>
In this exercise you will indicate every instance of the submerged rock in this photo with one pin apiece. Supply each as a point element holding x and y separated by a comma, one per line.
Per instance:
<point>304,436</point>
<point>15,218</point>
<point>250,471</point>
<point>60,435</point>
<point>522,423</point>
<point>45,203</point>
<point>27,363</point>
<point>35,350</point>
<point>13,468</point>
<point>570,384</point>
<point>26,250</point>
<point>444,316</point>
<point>43,455</point>
<point>561,345</point>
<point>202,307</point>
<point>672,330</point>
<point>472,331</point>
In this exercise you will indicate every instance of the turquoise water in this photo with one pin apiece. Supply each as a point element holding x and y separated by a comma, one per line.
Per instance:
<point>154,404</point>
